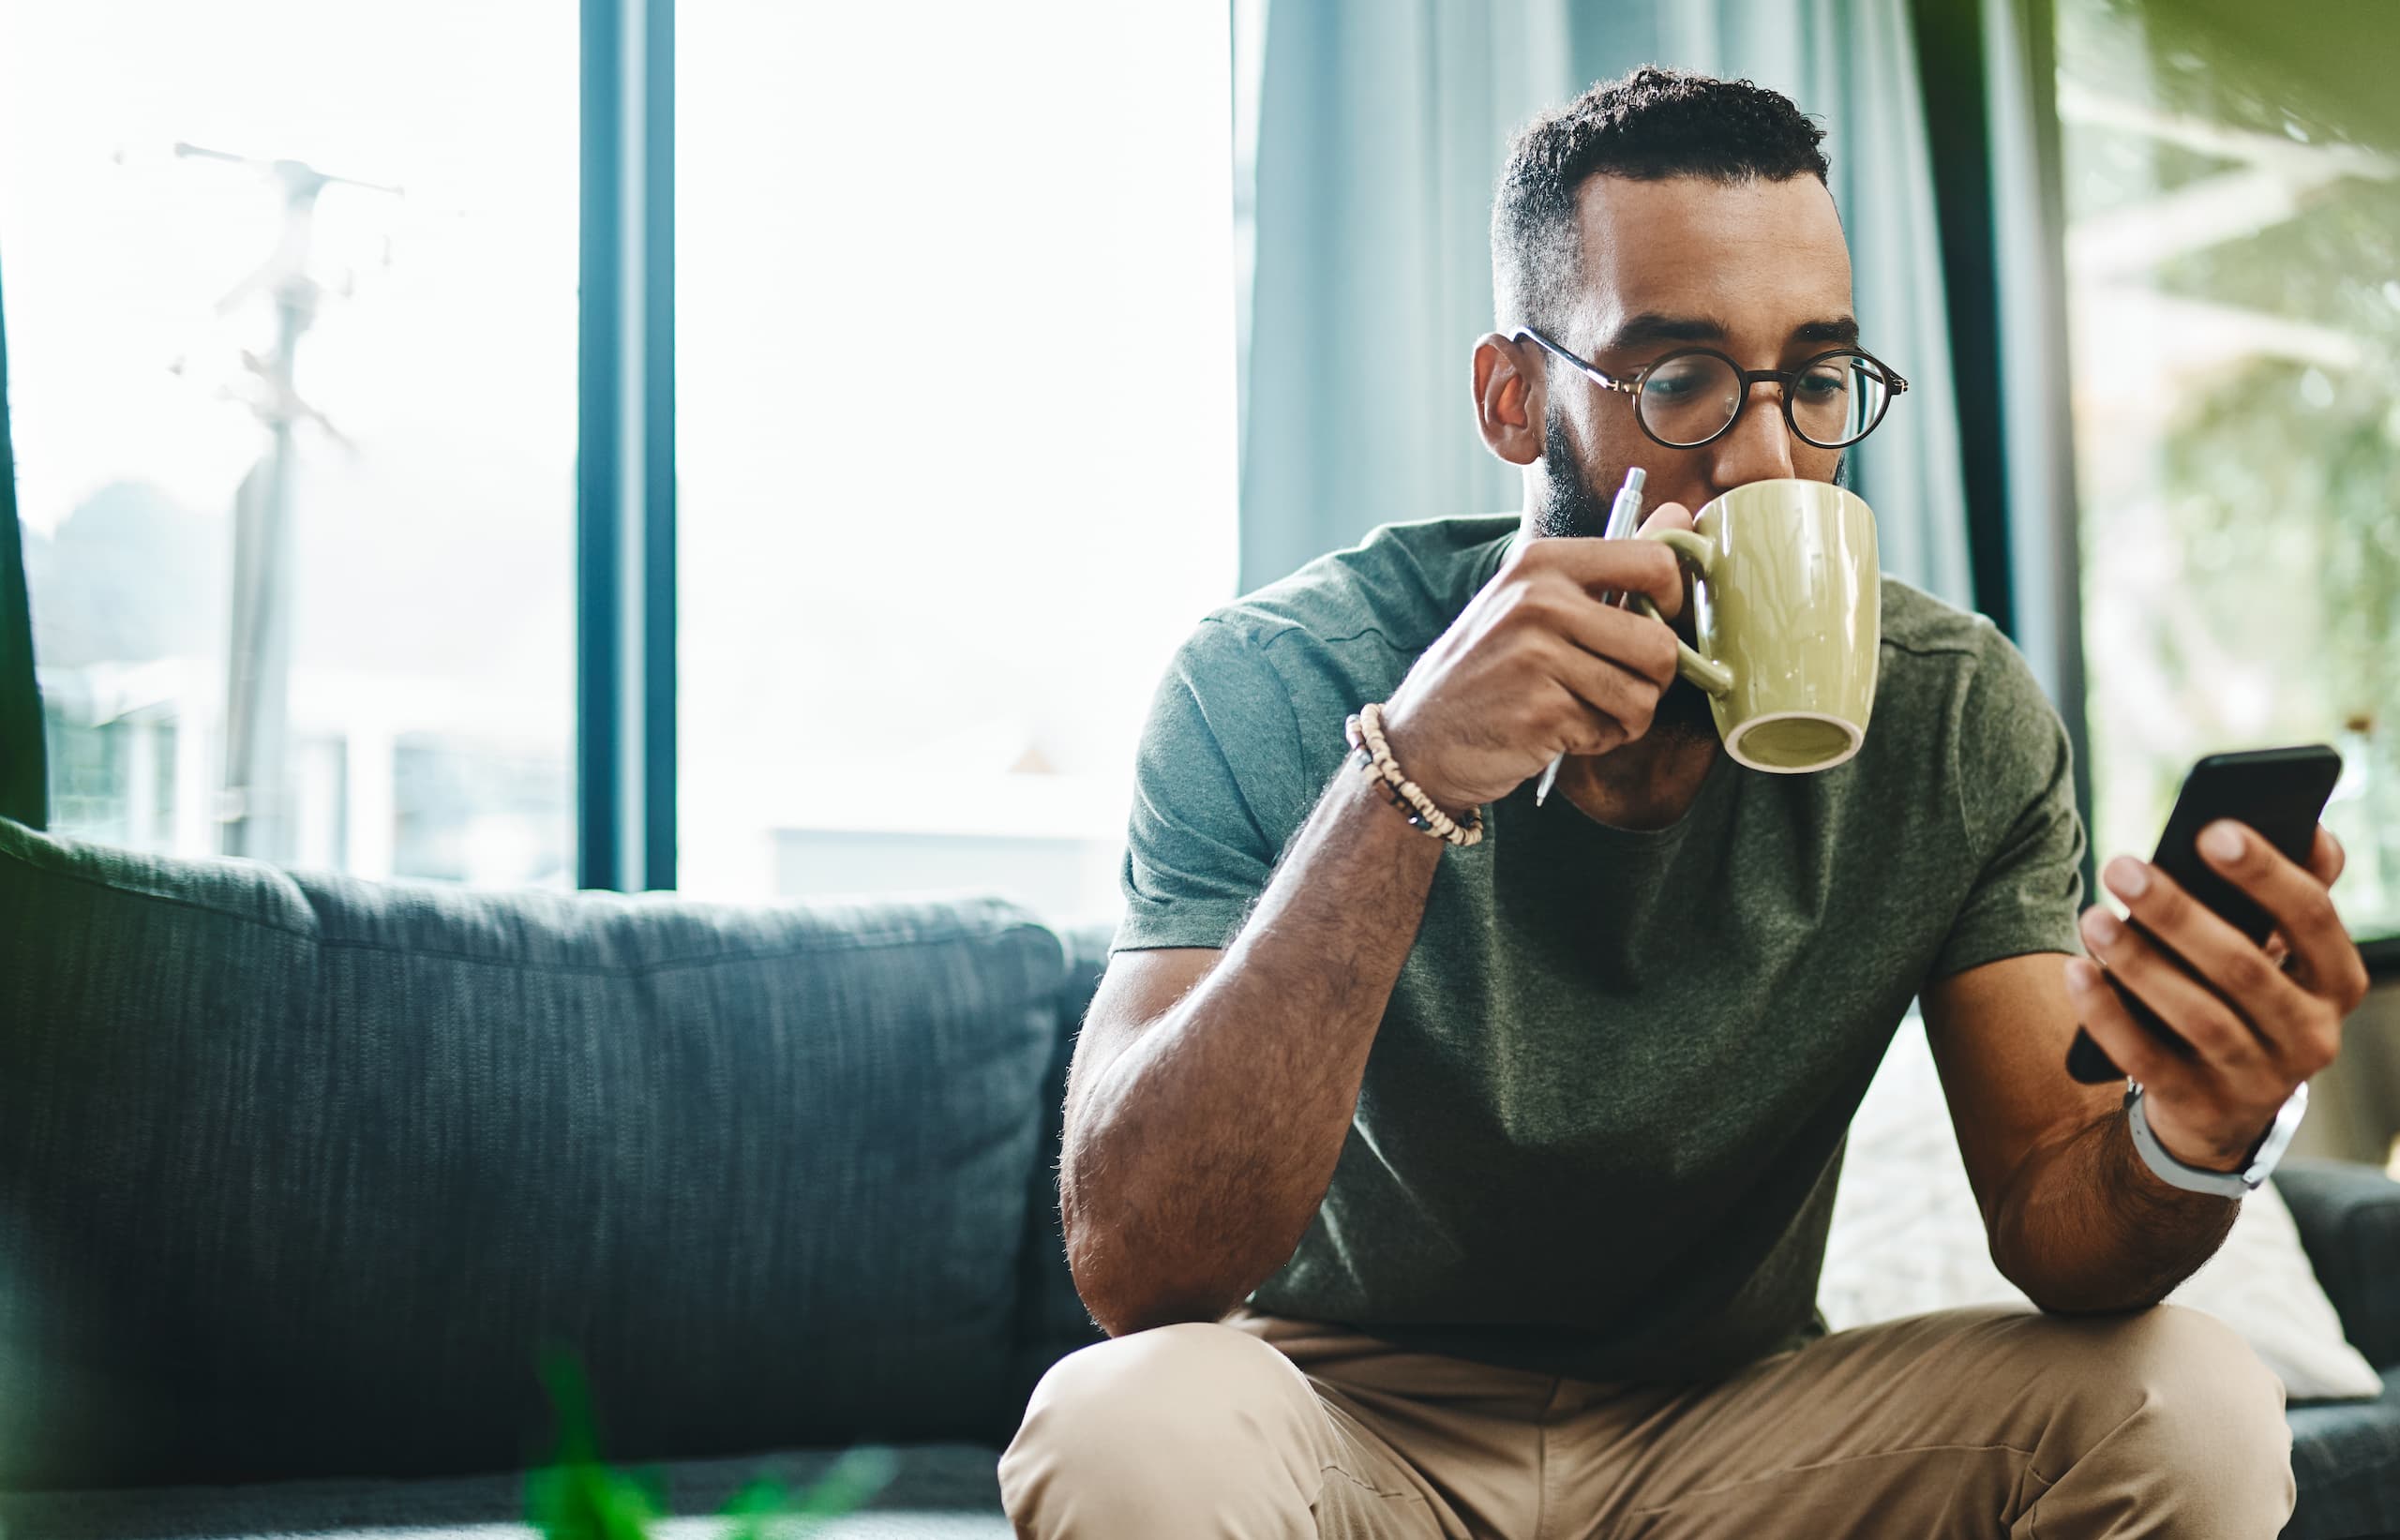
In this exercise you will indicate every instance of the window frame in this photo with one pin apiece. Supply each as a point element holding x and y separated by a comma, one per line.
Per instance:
<point>1988,73</point>
<point>625,719</point>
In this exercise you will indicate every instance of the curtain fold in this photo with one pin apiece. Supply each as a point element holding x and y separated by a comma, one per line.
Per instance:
<point>1380,126</point>
<point>1380,133</point>
<point>25,788</point>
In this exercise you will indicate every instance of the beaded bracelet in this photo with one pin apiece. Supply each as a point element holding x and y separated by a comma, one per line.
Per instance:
<point>1373,756</point>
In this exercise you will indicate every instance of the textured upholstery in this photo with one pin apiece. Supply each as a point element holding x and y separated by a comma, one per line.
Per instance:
<point>936,1492</point>
<point>298,1173</point>
<point>2345,1457</point>
<point>2345,1454</point>
<point>2349,1221</point>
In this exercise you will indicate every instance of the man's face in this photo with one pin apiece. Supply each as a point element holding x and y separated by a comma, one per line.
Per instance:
<point>1757,270</point>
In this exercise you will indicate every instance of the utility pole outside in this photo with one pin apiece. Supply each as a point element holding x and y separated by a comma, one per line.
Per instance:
<point>254,803</point>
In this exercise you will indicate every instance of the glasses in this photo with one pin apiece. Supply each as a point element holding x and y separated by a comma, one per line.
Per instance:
<point>1694,396</point>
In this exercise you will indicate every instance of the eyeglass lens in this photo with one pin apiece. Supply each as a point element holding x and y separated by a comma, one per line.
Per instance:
<point>1689,397</point>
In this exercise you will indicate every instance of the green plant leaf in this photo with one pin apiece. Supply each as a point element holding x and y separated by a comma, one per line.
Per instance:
<point>577,1497</point>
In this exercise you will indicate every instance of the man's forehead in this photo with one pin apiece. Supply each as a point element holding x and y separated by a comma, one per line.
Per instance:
<point>1760,259</point>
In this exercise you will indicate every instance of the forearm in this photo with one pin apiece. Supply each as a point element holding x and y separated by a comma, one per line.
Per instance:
<point>2086,1227</point>
<point>1195,1160</point>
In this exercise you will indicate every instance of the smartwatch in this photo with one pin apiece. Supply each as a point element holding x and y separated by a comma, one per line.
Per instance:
<point>2222,1184</point>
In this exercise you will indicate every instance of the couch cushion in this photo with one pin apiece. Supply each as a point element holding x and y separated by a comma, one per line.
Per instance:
<point>1907,1238</point>
<point>2346,1460</point>
<point>936,1492</point>
<point>2349,1218</point>
<point>297,1171</point>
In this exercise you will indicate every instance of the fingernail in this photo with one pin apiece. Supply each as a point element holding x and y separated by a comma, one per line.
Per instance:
<point>2101,926</point>
<point>2081,977</point>
<point>2222,840</point>
<point>2127,877</point>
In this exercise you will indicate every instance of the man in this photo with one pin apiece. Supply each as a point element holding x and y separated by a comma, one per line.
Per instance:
<point>1430,1190</point>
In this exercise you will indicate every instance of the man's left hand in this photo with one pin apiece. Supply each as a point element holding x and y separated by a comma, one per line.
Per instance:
<point>2259,1021</point>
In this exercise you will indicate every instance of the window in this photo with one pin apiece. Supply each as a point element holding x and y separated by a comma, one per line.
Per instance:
<point>955,330</point>
<point>2233,258</point>
<point>295,455</point>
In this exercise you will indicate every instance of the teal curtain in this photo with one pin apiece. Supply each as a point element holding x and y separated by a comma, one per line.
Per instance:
<point>25,794</point>
<point>1380,130</point>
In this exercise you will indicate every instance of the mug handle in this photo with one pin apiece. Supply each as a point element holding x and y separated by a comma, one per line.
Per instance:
<point>1709,674</point>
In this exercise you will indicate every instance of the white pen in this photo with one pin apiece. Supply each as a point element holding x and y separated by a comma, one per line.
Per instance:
<point>1622,515</point>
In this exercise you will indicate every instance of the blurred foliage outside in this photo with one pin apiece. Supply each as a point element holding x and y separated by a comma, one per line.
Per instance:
<point>2234,278</point>
<point>578,1496</point>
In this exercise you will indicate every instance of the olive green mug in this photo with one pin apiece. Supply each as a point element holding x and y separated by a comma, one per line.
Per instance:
<point>1787,609</point>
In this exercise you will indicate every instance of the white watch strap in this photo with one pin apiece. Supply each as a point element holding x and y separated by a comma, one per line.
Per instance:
<point>2222,1184</point>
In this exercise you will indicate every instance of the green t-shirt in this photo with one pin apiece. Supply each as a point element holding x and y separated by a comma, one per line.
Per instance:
<point>1603,1116</point>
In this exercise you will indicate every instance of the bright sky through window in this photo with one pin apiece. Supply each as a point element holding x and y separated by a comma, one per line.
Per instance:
<point>955,292</point>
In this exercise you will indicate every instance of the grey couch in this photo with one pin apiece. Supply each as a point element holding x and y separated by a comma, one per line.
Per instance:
<point>298,1174</point>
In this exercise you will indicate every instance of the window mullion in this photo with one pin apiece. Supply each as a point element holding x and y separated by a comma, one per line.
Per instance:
<point>625,461</point>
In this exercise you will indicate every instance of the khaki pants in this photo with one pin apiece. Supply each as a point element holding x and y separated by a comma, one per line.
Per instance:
<point>1980,1422</point>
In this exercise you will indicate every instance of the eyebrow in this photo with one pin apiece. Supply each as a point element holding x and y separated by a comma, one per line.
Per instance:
<point>1655,326</point>
<point>1841,329</point>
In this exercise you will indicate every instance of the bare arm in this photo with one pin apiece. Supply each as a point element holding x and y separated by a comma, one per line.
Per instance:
<point>1211,1091</point>
<point>2089,1228</point>
<point>2077,1219</point>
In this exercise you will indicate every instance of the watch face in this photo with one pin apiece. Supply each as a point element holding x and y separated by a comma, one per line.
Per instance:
<point>2277,1138</point>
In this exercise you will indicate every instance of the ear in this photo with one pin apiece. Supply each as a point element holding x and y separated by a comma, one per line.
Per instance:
<point>1511,382</point>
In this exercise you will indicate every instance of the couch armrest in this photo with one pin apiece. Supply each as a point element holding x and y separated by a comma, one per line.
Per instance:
<point>2348,1216</point>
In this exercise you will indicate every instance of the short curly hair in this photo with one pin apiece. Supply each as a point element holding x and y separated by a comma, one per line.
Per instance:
<point>1647,125</point>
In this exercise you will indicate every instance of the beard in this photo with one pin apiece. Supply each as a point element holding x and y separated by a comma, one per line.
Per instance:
<point>1569,506</point>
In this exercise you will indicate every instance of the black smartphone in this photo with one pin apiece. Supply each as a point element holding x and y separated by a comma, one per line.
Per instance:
<point>2278,792</point>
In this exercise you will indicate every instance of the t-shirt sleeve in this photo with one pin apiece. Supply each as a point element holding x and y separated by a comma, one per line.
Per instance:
<point>2015,779</point>
<point>1208,811</point>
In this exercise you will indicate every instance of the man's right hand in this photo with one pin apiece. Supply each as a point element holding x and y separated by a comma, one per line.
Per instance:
<point>1182,1187</point>
<point>1536,666</point>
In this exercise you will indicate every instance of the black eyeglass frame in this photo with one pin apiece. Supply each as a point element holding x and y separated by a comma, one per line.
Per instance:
<point>1894,384</point>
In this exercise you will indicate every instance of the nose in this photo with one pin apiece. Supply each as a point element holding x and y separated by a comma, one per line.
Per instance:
<point>1758,448</point>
